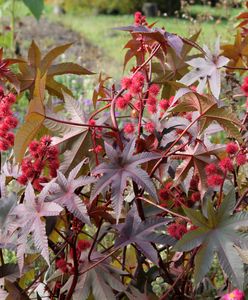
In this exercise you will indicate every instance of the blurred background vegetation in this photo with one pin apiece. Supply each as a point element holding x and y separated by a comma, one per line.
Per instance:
<point>93,22</point>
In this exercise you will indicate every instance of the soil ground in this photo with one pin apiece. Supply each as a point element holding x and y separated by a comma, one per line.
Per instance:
<point>49,34</point>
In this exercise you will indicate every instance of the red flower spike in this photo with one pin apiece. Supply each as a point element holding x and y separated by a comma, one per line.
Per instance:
<point>22,179</point>
<point>33,147</point>
<point>38,165</point>
<point>42,154</point>
<point>52,152</point>
<point>46,140</point>
<point>137,17</point>
<point>37,183</point>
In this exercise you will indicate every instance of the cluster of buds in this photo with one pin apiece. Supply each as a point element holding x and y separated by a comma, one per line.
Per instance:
<point>42,159</point>
<point>7,120</point>
<point>139,19</point>
<point>216,173</point>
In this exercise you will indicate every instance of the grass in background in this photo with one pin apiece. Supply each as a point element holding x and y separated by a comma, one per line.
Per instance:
<point>99,31</point>
<point>222,12</point>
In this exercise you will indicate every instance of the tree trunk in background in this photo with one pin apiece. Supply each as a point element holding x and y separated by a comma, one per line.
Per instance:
<point>214,2</point>
<point>169,6</point>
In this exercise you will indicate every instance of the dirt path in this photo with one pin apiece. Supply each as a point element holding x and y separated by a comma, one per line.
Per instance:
<point>49,34</point>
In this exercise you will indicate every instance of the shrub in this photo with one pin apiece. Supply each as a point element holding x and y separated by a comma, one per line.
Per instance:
<point>104,6</point>
<point>145,185</point>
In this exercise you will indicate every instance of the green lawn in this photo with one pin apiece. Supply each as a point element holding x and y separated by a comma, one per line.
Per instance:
<point>222,12</point>
<point>99,31</point>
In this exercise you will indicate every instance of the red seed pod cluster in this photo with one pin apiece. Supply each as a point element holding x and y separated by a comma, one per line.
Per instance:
<point>7,120</point>
<point>244,86</point>
<point>42,159</point>
<point>177,230</point>
<point>237,155</point>
<point>83,245</point>
<point>165,194</point>
<point>214,175</point>
<point>64,266</point>
<point>216,172</point>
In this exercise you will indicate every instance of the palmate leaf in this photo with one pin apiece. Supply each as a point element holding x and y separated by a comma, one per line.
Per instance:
<point>29,219</point>
<point>33,120</point>
<point>99,90</point>
<point>143,233</point>
<point>209,112</point>
<point>122,166</point>
<point>62,192</point>
<point>216,233</point>
<point>174,68</point>
<point>71,137</point>
<point>206,70</point>
<point>150,36</point>
<point>35,62</point>
<point>237,52</point>
<point>197,156</point>
<point>101,281</point>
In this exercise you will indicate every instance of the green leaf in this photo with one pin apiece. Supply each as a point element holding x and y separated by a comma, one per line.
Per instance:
<point>227,205</point>
<point>217,234</point>
<point>203,261</point>
<point>196,217</point>
<point>35,6</point>
<point>191,240</point>
<point>25,134</point>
